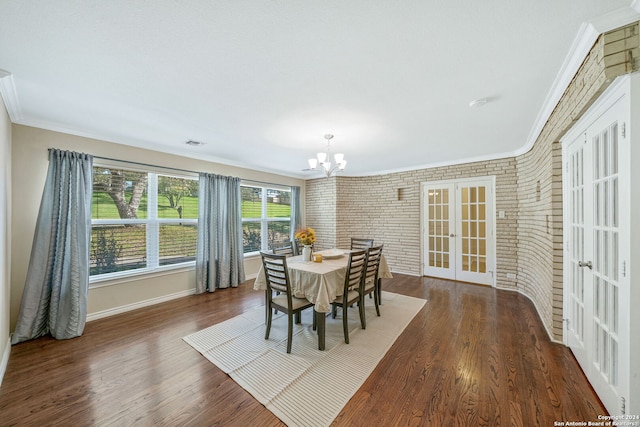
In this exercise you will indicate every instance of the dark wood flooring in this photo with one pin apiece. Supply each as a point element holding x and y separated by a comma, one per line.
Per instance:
<point>474,356</point>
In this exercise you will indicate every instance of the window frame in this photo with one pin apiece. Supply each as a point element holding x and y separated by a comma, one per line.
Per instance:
<point>152,225</point>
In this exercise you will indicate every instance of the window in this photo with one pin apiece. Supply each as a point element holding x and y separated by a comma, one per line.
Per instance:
<point>141,221</point>
<point>266,217</point>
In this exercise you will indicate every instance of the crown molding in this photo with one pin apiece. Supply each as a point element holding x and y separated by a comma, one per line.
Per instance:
<point>10,96</point>
<point>582,44</point>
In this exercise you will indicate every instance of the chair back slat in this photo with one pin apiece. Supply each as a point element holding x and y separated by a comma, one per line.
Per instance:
<point>360,244</point>
<point>283,248</point>
<point>355,270</point>
<point>275,271</point>
<point>374,255</point>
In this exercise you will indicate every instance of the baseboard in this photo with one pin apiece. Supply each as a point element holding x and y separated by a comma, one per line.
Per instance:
<point>5,359</point>
<point>406,274</point>
<point>129,307</point>
<point>549,334</point>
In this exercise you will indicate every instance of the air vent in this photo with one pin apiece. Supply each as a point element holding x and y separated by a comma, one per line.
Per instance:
<point>193,143</point>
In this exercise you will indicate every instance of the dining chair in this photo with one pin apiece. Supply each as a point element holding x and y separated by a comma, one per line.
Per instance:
<point>277,278</point>
<point>283,248</point>
<point>352,291</point>
<point>359,244</point>
<point>371,282</point>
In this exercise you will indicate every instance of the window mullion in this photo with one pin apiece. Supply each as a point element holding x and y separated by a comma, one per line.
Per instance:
<point>264,228</point>
<point>153,234</point>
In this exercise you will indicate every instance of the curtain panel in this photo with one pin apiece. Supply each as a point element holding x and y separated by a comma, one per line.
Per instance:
<point>219,252</point>
<point>296,212</point>
<point>54,299</point>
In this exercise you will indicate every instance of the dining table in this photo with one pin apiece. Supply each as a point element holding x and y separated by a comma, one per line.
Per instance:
<point>319,282</point>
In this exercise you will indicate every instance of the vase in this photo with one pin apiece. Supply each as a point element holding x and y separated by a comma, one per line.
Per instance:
<point>306,253</point>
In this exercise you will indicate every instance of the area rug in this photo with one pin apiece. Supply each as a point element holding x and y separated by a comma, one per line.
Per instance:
<point>307,387</point>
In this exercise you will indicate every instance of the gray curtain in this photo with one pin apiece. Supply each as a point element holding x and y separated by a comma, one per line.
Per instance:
<point>296,211</point>
<point>219,252</point>
<point>54,299</point>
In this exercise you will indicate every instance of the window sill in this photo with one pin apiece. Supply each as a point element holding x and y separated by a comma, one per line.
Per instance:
<point>147,273</point>
<point>251,255</point>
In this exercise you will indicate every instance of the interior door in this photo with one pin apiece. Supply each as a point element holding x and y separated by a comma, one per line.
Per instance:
<point>579,250</point>
<point>458,222</point>
<point>439,227</point>
<point>474,231</point>
<point>595,268</point>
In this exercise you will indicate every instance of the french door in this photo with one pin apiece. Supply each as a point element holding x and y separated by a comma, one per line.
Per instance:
<point>457,228</point>
<point>596,311</point>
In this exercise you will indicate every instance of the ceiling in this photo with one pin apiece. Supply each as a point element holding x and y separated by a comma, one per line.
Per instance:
<point>261,82</point>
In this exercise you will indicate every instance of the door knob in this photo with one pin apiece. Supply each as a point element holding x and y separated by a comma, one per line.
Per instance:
<point>452,235</point>
<point>585,264</point>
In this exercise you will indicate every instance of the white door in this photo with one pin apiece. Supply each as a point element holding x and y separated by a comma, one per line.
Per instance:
<point>439,230</point>
<point>595,313</point>
<point>458,223</point>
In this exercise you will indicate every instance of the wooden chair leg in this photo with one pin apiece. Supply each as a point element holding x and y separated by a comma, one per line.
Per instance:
<point>290,332</point>
<point>376,301</point>
<point>298,318</point>
<point>363,317</point>
<point>345,325</point>
<point>266,336</point>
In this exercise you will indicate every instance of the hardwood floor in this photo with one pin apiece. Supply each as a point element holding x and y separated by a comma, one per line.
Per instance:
<point>474,356</point>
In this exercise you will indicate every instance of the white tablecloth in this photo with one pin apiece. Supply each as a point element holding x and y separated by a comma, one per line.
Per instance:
<point>318,282</point>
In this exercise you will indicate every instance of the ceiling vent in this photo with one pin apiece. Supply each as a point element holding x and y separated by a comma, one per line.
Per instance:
<point>193,143</point>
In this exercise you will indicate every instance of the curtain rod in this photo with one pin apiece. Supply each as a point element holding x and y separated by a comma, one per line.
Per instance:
<point>144,164</point>
<point>178,169</point>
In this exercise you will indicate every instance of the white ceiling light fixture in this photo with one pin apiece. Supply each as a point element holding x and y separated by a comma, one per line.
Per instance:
<point>322,162</point>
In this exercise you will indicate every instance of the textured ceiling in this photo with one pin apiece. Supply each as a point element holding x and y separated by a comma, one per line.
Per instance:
<point>261,82</point>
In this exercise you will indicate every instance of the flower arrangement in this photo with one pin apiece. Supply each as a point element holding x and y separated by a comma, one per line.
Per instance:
<point>306,236</point>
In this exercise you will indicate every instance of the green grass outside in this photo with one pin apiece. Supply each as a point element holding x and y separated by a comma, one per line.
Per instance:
<point>104,208</point>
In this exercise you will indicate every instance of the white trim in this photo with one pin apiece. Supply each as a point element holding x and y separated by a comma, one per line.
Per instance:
<point>617,18</point>
<point>152,146</point>
<point>491,238</point>
<point>118,278</point>
<point>582,44</point>
<point>5,359</point>
<point>608,98</point>
<point>10,96</point>
<point>410,274</point>
<point>136,305</point>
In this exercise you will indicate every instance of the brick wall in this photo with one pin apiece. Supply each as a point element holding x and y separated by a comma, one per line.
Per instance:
<point>320,207</point>
<point>528,189</point>
<point>387,209</point>
<point>540,239</point>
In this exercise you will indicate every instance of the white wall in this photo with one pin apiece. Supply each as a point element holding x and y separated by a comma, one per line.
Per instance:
<point>30,162</point>
<point>5,236</point>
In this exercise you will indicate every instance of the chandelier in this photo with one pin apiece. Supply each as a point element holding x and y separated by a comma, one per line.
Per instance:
<point>322,162</point>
